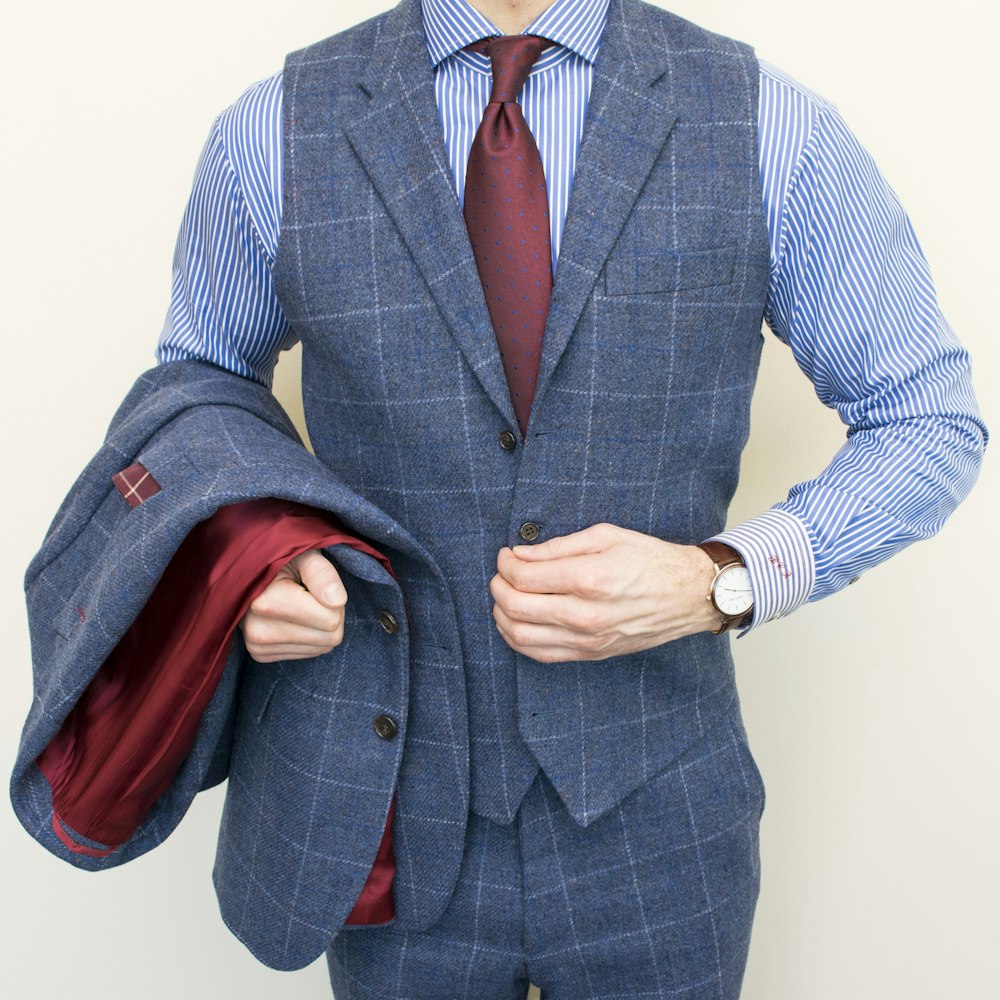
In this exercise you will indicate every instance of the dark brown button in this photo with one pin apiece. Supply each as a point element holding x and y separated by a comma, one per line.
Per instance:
<point>507,440</point>
<point>388,621</point>
<point>385,727</point>
<point>529,531</point>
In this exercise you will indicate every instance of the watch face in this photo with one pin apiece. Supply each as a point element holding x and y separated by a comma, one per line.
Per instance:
<point>733,594</point>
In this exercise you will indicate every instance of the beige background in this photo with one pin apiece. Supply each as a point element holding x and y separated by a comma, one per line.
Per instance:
<point>871,714</point>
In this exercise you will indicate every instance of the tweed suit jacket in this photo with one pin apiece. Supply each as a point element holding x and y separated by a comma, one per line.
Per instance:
<point>310,782</point>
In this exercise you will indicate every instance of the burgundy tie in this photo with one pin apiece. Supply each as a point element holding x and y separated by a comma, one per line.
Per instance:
<point>507,214</point>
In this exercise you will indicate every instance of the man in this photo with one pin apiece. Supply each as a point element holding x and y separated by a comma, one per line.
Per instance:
<point>611,846</point>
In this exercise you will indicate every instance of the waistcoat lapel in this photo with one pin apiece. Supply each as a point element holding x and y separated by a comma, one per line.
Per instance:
<point>628,121</point>
<point>401,146</point>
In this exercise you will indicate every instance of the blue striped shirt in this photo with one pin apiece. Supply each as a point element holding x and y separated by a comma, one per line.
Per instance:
<point>849,292</point>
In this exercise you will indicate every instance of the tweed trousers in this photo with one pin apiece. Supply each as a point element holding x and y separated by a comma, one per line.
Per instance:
<point>617,909</point>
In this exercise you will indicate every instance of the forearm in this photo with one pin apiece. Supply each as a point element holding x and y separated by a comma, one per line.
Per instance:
<point>884,490</point>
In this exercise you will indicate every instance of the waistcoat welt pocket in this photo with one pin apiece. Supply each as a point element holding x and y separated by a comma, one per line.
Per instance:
<point>668,271</point>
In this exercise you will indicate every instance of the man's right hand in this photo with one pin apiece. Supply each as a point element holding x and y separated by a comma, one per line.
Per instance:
<point>299,614</point>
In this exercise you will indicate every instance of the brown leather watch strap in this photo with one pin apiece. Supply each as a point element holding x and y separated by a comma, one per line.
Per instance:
<point>721,554</point>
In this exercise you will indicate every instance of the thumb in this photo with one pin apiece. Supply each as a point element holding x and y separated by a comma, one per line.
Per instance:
<point>320,578</point>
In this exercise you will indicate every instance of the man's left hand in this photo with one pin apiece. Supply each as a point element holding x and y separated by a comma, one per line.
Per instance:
<point>601,592</point>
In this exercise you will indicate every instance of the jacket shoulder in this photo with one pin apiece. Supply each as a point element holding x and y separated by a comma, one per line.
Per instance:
<point>679,34</point>
<point>350,47</point>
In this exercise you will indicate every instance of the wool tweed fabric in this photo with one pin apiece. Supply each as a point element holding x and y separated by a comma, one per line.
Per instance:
<point>310,781</point>
<point>619,910</point>
<point>642,401</point>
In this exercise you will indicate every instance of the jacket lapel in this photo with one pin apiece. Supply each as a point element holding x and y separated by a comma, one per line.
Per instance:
<point>400,143</point>
<point>628,121</point>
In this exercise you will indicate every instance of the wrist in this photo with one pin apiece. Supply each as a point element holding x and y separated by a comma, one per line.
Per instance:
<point>729,592</point>
<point>708,617</point>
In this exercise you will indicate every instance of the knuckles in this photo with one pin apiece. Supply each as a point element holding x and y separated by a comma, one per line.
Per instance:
<point>260,636</point>
<point>590,585</point>
<point>264,604</point>
<point>334,621</point>
<point>252,631</point>
<point>580,621</point>
<point>517,634</point>
<point>258,632</point>
<point>594,643</point>
<point>511,571</point>
<point>550,657</point>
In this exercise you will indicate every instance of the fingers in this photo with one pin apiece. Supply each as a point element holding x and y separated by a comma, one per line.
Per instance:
<point>285,600</point>
<point>580,575</point>
<point>266,630</point>
<point>268,639</point>
<point>300,614</point>
<point>544,609</point>
<point>536,639</point>
<point>272,654</point>
<point>555,654</point>
<point>596,538</point>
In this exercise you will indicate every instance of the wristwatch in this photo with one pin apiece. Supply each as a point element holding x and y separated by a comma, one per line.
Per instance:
<point>730,593</point>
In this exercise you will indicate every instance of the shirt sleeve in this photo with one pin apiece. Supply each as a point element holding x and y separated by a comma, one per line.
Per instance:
<point>851,295</point>
<point>223,307</point>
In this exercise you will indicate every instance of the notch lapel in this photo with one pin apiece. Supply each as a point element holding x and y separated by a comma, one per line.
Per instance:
<point>628,121</point>
<point>401,145</point>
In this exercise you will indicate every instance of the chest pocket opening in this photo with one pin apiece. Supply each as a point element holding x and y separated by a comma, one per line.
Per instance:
<point>668,271</point>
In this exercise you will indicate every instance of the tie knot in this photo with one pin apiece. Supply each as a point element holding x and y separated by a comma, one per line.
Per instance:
<point>511,57</point>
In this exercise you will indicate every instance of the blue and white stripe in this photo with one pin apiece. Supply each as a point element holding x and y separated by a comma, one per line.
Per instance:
<point>850,292</point>
<point>222,305</point>
<point>554,99</point>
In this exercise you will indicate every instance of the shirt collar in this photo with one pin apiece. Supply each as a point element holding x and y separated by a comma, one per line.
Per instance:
<point>576,25</point>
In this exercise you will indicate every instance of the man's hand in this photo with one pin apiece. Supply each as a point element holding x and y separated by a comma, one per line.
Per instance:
<point>299,614</point>
<point>601,592</point>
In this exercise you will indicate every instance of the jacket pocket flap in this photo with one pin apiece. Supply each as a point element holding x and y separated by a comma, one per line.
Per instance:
<point>257,685</point>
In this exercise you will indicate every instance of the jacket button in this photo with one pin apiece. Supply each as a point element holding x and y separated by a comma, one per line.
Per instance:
<point>385,727</point>
<point>388,621</point>
<point>507,440</point>
<point>529,531</point>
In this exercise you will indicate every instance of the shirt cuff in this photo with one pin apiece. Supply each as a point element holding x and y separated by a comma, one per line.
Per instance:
<point>779,557</point>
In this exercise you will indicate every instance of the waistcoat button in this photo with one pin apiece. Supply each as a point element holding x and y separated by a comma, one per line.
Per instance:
<point>385,727</point>
<point>529,531</point>
<point>388,621</point>
<point>507,440</point>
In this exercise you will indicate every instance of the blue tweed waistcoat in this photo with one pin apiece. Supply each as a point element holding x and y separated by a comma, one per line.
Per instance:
<point>643,397</point>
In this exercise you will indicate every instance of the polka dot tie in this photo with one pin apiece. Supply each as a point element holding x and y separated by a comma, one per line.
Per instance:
<point>507,214</point>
